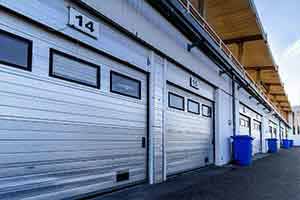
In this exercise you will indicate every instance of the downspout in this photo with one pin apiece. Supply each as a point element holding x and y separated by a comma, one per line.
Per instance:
<point>279,131</point>
<point>233,107</point>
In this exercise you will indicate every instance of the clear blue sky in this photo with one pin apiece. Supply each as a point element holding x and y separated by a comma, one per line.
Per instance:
<point>281,21</point>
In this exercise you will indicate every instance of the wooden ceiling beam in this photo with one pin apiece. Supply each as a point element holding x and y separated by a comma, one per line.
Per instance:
<point>278,94</point>
<point>281,101</point>
<point>258,68</point>
<point>272,84</point>
<point>248,38</point>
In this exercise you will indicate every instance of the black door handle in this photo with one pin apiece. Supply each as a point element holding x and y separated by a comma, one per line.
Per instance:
<point>143,142</point>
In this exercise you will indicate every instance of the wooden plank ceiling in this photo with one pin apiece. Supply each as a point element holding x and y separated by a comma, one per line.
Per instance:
<point>238,25</point>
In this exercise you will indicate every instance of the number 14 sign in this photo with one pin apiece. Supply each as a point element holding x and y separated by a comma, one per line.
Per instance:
<point>83,23</point>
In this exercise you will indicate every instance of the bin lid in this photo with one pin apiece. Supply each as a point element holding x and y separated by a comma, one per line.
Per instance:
<point>275,139</point>
<point>245,137</point>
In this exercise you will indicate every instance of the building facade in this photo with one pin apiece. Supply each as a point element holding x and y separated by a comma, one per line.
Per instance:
<point>100,96</point>
<point>295,133</point>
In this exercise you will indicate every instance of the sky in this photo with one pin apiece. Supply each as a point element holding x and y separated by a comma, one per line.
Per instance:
<point>281,22</point>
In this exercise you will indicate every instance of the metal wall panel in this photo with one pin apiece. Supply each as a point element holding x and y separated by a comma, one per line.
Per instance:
<point>189,136</point>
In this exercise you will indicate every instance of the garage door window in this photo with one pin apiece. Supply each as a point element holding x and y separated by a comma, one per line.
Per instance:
<point>245,123</point>
<point>206,111</point>
<point>70,68</point>
<point>176,101</point>
<point>275,132</point>
<point>256,126</point>
<point>193,107</point>
<point>15,51</point>
<point>124,85</point>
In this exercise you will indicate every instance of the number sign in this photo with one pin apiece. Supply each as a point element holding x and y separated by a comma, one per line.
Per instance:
<point>83,23</point>
<point>194,83</point>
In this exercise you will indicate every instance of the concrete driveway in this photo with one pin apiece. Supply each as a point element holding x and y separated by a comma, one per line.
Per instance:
<point>274,177</point>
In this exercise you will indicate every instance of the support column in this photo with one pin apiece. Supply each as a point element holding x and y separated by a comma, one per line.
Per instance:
<point>223,127</point>
<point>156,119</point>
<point>265,131</point>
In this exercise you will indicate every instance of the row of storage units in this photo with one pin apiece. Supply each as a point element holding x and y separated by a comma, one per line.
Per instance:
<point>76,124</point>
<point>77,120</point>
<point>250,124</point>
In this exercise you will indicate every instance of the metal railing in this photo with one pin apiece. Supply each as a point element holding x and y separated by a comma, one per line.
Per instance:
<point>219,42</point>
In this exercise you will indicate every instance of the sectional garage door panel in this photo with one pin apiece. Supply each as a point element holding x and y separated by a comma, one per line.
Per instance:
<point>65,142</point>
<point>257,135</point>
<point>188,136</point>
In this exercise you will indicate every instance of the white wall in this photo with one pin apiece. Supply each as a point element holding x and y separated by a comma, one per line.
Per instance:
<point>296,125</point>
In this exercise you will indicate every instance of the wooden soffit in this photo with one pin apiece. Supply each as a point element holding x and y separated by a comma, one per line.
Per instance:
<point>238,25</point>
<point>232,19</point>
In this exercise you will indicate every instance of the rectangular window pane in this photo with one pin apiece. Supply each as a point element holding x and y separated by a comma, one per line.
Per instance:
<point>15,51</point>
<point>193,107</point>
<point>206,111</point>
<point>73,69</point>
<point>176,101</point>
<point>125,85</point>
<point>294,130</point>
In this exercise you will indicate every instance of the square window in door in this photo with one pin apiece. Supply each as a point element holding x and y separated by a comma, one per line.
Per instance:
<point>176,101</point>
<point>124,85</point>
<point>206,111</point>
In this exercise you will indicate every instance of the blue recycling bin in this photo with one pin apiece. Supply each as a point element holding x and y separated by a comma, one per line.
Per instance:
<point>285,144</point>
<point>272,145</point>
<point>291,143</point>
<point>242,149</point>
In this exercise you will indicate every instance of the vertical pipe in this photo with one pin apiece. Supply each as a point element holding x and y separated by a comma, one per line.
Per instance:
<point>280,131</point>
<point>233,107</point>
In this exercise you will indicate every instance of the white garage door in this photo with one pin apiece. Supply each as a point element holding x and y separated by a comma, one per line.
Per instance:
<point>244,125</point>
<point>189,131</point>
<point>257,135</point>
<point>61,138</point>
<point>273,130</point>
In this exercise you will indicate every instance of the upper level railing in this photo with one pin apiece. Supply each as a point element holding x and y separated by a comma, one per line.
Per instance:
<point>219,42</point>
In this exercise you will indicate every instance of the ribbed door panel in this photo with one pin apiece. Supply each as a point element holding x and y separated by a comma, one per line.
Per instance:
<point>188,136</point>
<point>256,134</point>
<point>60,139</point>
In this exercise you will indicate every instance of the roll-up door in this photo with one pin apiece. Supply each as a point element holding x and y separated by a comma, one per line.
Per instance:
<point>189,131</point>
<point>256,133</point>
<point>69,136</point>
<point>273,130</point>
<point>244,125</point>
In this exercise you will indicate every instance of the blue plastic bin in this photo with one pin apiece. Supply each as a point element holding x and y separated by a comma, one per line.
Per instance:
<point>291,143</point>
<point>242,149</point>
<point>285,144</point>
<point>272,145</point>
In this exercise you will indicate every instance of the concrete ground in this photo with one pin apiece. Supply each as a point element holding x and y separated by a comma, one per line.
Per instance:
<point>274,177</point>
